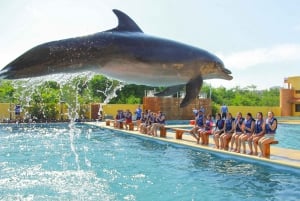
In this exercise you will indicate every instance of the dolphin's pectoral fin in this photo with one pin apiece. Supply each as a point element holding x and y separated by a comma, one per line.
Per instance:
<point>170,90</point>
<point>192,90</point>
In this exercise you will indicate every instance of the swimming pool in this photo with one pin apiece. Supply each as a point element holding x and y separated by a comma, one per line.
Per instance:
<point>55,162</point>
<point>288,136</point>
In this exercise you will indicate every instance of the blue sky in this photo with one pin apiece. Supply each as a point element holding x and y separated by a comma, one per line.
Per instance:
<point>259,41</point>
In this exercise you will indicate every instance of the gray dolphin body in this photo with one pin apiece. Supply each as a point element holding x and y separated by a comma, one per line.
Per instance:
<point>127,54</point>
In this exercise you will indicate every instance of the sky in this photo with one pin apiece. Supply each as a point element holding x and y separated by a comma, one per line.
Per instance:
<point>259,41</point>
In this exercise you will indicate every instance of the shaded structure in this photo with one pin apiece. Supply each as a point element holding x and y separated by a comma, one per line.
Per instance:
<point>290,97</point>
<point>171,107</point>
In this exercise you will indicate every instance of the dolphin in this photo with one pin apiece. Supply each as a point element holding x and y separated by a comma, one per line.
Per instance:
<point>127,54</point>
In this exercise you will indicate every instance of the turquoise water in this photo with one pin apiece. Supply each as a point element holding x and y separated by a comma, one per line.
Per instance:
<point>288,136</point>
<point>58,162</point>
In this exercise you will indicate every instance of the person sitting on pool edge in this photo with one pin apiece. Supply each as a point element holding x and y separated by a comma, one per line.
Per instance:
<point>199,124</point>
<point>228,130</point>
<point>271,126</point>
<point>160,122</point>
<point>259,132</point>
<point>151,121</point>
<point>128,119</point>
<point>238,122</point>
<point>206,131</point>
<point>219,130</point>
<point>248,129</point>
<point>143,124</point>
<point>120,117</point>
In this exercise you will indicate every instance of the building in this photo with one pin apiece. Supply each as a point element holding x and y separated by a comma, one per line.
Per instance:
<point>171,107</point>
<point>290,97</point>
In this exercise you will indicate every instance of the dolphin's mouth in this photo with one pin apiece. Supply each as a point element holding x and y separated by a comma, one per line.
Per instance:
<point>224,72</point>
<point>227,74</point>
<point>5,73</point>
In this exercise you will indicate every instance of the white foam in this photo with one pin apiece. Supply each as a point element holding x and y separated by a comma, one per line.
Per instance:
<point>70,184</point>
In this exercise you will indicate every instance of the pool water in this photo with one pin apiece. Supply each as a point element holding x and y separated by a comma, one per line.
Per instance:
<point>81,162</point>
<point>288,136</point>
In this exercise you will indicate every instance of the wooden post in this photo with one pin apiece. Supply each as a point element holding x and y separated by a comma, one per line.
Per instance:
<point>138,123</point>
<point>131,126</point>
<point>266,148</point>
<point>179,134</point>
<point>121,125</point>
<point>163,131</point>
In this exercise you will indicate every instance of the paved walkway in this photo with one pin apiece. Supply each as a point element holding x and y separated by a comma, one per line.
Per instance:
<point>289,121</point>
<point>279,156</point>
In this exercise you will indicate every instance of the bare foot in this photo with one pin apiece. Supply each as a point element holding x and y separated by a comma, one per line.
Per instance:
<point>261,155</point>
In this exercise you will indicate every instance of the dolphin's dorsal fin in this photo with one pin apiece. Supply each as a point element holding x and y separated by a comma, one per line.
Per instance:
<point>125,23</point>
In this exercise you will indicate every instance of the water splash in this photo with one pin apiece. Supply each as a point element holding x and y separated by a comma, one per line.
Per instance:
<point>110,90</point>
<point>70,87</point>
<point>72,135</point>
<point>70,95</point>
<point>23,96</point>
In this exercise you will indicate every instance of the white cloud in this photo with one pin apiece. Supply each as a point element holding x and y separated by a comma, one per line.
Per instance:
<point>248,58</point>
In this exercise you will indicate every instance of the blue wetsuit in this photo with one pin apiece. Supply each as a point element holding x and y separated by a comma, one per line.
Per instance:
<point>258,126</point>
<point>248,124</point>
<point>199,120</point>
<point>220,124</point>
<point>138,113</point>
<point>228,125</point>
<point>268,127</point>
<point>240,122</point>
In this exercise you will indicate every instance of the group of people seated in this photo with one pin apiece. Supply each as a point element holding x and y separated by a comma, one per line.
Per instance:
<point>232,133</point>
<point>151,122</point>
<point>203,127</point>
<point>147,122</point>
<point>228,133</point>
<point>123,118</point>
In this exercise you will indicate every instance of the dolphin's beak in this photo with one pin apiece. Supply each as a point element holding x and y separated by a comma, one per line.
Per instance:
<point>227,71</point>
<point>226,74</point>
<point>4,73</point>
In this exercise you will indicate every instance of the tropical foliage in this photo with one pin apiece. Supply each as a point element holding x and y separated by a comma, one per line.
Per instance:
<point>42,98</point>
<point>247,96</point>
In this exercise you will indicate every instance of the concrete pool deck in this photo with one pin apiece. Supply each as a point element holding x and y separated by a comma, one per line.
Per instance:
<point>289,121</point>
<point>279,156</point>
